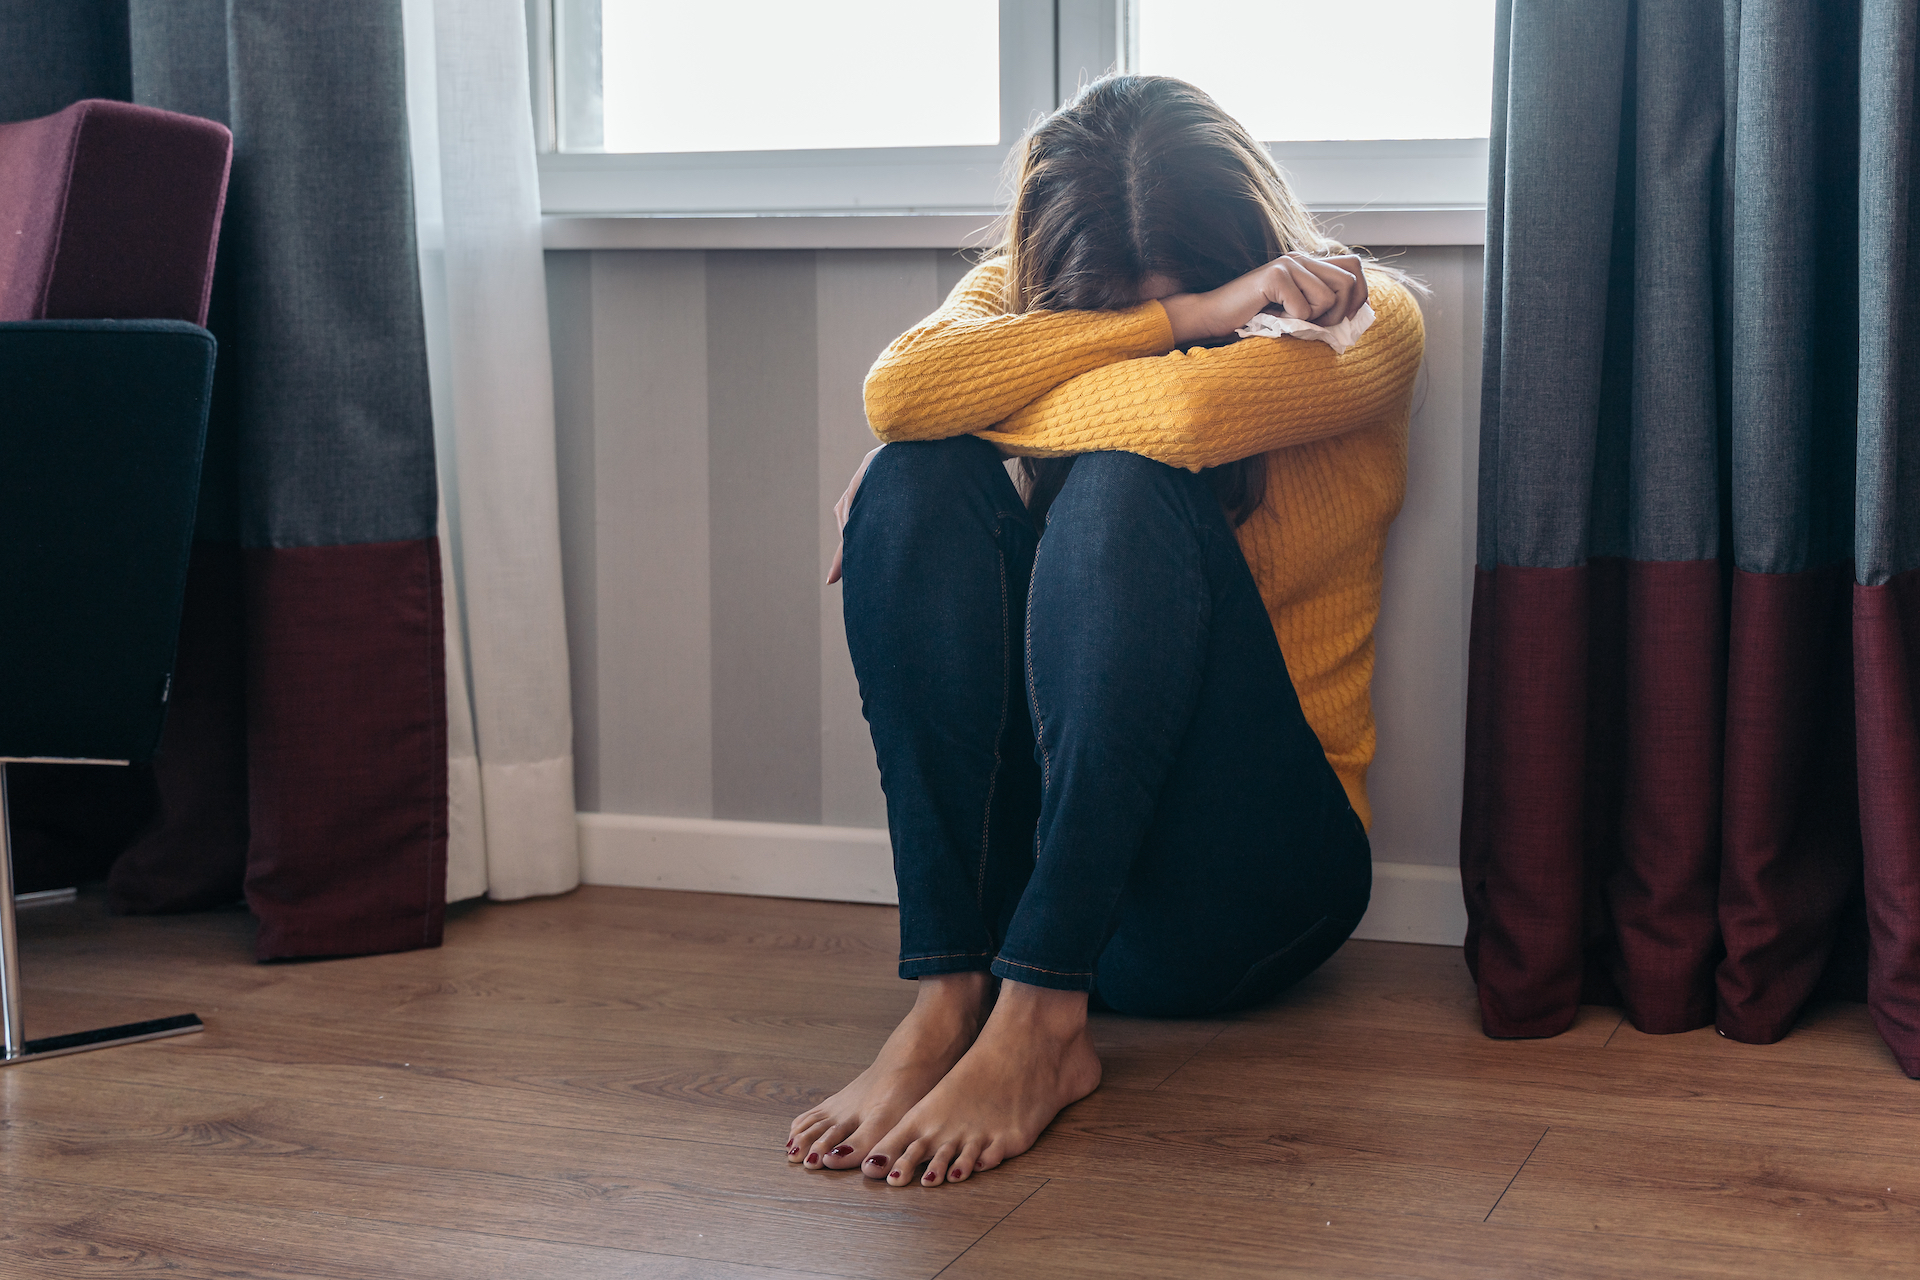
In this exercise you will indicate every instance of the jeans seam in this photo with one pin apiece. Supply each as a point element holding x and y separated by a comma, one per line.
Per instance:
<point>1033,690</point>
<point>1058,973</point>
<point>944,955</point>
<point>999,735</point>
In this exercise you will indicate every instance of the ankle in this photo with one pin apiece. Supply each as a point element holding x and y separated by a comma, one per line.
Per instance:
<point>1060,1015</point>
<point>965,995</point>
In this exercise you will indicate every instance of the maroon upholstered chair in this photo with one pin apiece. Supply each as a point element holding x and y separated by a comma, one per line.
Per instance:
<point>109,214</point>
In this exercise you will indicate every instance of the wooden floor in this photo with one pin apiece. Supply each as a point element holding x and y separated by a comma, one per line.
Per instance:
<point>599,1085</point>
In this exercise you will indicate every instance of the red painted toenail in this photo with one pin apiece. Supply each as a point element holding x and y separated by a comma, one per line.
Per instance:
<point>876,1159</point>
<point>842,1150</point>
<point>813,1157</point>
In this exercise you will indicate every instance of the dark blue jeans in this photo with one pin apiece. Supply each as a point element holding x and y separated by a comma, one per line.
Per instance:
<point>1097,773</point>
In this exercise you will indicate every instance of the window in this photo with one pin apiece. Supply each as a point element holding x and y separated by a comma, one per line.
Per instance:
<point>879,74</point>
<point>883,106</point>
<point>1363,102</point>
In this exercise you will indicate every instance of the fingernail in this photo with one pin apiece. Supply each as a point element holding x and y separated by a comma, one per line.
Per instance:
<point>813,1157</point>
<point>876,1159</point>
<point>842,1150</point>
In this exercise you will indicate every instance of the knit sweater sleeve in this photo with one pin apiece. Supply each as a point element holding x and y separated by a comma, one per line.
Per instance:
<point>1209,406</point>
<point>970,365</point>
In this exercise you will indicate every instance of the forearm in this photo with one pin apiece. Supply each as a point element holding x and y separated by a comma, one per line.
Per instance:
<point>1206,407</point>
<point>957,375</point>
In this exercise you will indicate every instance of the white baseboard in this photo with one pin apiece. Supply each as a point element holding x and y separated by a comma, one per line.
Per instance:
<point>1411,903</point>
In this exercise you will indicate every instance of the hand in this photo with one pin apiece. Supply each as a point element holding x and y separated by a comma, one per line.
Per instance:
<point>844,506</point>
<point>1322,291</point>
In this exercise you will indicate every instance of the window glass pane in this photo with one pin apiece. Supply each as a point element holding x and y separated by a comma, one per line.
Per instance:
<point>1305,71</point>
<point>775,75</point>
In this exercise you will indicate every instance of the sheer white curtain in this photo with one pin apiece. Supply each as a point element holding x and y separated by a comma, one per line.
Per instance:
<point>476,200</point>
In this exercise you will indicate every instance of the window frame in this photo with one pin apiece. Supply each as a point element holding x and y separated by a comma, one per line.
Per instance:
<point>1086,37</point>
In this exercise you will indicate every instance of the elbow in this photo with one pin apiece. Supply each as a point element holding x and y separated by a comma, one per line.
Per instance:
<point>889,410</point>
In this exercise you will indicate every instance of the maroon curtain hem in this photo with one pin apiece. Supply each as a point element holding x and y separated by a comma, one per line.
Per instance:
<point>1886,652</point>
<point>347,748</point>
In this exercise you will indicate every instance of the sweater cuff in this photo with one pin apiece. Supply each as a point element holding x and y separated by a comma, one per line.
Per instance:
<point>1157,326</point>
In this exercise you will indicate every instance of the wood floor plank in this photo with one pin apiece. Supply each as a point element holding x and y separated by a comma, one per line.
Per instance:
<point>58,1229</point>
<point>1263,1149</point>
<point>1371,1159</point>
<point>599,1084</point>
<point>1654,1092</point>
<point>684,1198</point>
<point>1068,1230</point>
<point>841,1028</point>
<point>1758,1192</point>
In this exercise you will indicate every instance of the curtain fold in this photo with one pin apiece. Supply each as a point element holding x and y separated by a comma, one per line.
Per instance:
<point>304,761</point>
<point>1692,749</point>
<point>483,274</point>
<point>1886,593</point>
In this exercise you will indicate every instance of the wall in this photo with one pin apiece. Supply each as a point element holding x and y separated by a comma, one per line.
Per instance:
<point>709,414</point>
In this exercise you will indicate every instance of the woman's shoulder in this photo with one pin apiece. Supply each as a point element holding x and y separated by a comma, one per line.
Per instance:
<point>1390,291</point>
<point>983,290</point>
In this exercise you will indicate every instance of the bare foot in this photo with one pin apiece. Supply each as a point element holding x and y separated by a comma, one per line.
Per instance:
<point>1032,1060</point>
<point>946,1015</point>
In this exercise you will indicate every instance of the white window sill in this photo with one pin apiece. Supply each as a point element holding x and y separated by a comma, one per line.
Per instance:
<point>1456,225</point>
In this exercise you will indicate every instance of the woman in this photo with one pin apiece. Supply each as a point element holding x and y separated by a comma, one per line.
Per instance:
<point>1103,779</point>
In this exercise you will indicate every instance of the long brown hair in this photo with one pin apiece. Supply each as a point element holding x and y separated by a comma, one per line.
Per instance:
<point>1140,176</point>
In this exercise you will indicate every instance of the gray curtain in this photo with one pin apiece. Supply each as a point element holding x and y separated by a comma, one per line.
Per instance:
<point>1692,781</point>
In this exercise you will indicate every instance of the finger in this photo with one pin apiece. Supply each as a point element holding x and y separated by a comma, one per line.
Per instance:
<point>1316,291</point>
<point>937,1167</point>
<point>908,1161</point>
<point>833,570</point>
<point>1356,266</point>
<point>1279,287</point>
<point>1319,285</point>
<point>963,1164</point>
<point>1345,283</point>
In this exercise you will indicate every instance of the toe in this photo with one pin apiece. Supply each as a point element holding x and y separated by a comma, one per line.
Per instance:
<point>830,1137</point>
<point>841,1155</point>
<point>850,1152</point>
<point>824,1140</point>
<point>908,1161</point>
<point>964,1163</point>
<point>876,1164</point>
<point>800,1144</point>
<point>937,1167</point>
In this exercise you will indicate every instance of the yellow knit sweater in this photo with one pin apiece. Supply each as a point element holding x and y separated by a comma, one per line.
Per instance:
<point>1333,429</point>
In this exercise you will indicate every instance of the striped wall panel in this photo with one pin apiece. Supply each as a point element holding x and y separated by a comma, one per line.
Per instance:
<point>709,414</point>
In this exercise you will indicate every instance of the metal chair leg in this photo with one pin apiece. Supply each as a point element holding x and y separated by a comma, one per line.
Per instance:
<point>14,1046</point>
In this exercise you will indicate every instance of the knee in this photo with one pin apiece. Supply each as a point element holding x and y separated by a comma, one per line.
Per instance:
<point>913,469</point>
<point>925,497</point>
<point>1107,485</point>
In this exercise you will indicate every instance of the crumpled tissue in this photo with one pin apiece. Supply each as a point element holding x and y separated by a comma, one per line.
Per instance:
<point>1338,336</point>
